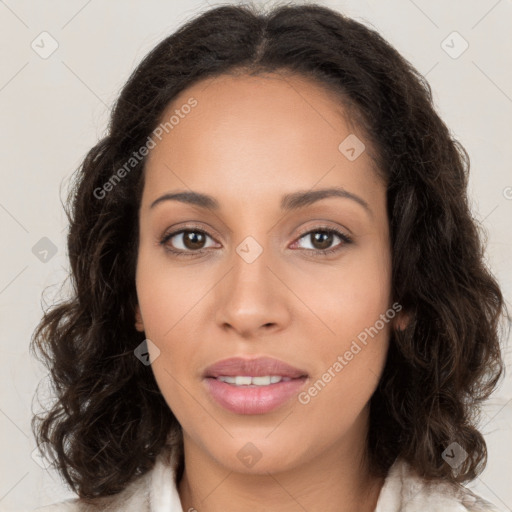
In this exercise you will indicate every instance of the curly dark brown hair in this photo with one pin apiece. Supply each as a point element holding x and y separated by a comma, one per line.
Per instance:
<point>109,420</point>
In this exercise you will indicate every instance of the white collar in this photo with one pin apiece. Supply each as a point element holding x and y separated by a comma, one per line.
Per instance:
<point>403,491</point>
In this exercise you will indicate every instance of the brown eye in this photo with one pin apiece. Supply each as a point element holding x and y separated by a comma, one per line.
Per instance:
<point>193,239</point>
<point>186,241</point>
<point>322,239</point>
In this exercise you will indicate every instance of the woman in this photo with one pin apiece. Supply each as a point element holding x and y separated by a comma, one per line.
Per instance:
<point>280,300</point>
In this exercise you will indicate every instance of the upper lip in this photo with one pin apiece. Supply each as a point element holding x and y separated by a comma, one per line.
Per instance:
<point>257,367</point>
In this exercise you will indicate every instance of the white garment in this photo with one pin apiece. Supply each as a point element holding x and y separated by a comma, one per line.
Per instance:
<point>403,491</point>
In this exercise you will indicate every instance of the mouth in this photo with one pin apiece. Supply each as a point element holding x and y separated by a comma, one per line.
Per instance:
<point>253,386</point>
<point>247,380</point>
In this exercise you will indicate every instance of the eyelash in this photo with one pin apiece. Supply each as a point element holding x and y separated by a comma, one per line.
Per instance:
<point>316,252</point>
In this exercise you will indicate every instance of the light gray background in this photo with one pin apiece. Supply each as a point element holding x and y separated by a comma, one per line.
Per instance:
<point>53,110</point>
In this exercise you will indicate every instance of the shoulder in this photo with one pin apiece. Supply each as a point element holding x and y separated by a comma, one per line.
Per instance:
<point>405,491</point>
<point>134,498</point>
<point>154,490</point>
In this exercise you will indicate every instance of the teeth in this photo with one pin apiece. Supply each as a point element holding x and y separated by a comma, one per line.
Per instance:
<point>245,380</point>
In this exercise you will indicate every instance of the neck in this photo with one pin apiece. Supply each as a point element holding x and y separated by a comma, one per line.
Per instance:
<point>336,480</point>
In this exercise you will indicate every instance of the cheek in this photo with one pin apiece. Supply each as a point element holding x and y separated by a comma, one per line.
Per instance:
<point>166,295</point>
<point>355,303</point>
<point>170,302</point>
<point>348,297</point>
<point>349,373</point>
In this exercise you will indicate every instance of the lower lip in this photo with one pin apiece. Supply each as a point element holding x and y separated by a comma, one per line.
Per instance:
<point>253,399</point>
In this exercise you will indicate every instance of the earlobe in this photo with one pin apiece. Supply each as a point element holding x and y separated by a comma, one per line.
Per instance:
<point>401,321</point>
<point>139,324</point>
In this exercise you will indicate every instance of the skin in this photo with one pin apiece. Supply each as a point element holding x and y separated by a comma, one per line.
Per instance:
<point>249,141</point>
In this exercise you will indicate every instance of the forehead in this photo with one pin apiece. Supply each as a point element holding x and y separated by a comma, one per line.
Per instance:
<point>263,134</point>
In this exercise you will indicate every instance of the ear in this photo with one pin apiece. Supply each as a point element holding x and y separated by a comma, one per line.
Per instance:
<point>401,321</point>
<point>139,324</point>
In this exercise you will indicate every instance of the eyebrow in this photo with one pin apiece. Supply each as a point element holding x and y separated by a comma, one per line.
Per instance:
<point>292,201</point>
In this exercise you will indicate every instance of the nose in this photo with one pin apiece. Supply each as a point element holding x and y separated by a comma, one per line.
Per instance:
<point>251,299</point>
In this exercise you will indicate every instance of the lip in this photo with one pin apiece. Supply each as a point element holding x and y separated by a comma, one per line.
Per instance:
<point>253,399</point>
<point>257,367</point>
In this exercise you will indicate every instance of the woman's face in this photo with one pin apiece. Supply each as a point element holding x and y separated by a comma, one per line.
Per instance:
<point>250,279</point>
